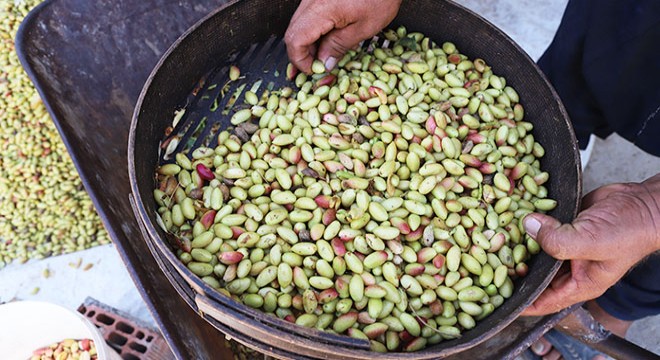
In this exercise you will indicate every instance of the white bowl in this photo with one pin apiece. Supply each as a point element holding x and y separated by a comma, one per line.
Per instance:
<point>26,326</point>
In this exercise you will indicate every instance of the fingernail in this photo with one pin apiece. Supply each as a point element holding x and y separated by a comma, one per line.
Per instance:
<point>330,63</point>
<point>532,226</point>
<point>538,348</point>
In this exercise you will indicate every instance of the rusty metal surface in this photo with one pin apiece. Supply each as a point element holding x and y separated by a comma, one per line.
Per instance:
<point>89,61</point>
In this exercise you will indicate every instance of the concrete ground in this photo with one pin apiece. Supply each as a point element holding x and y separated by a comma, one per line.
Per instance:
<point>531,23</point>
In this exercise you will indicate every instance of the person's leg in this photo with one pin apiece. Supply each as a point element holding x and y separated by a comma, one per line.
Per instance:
<point>634,297</point>
<point>603,63</point>
<point>617,326</point>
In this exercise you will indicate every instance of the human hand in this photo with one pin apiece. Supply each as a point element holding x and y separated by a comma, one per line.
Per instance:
<point>618,226</point>
<point>326,29</point>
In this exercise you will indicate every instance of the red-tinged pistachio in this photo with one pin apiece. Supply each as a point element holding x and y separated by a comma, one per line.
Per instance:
<point>487,168</point>
<point>522,269</point>
<point>501,135</point>
<point>341,285</point>
<point>415,235</point>
<point>345,321</point>
<point>454,58</point>
<point>204,172</point>
<point>295,155</point>
<point>394,246</point>
<point>346,234</point>
<point>338,247</point>
<point>247,240</point>
<point>346,161</point>
<point>236,232</point>
<point>327,295</point>
<point>378,150</point>
<point>375,91</point>
<point>375,291</point>
<point>448,183</point>
<point>230,257</point>
<point>439,261</point>
<point>316,232</point>
<point>375,259</point>
<point>442,246</point>
<point>402,225</point>
<point>351,98</point>
<point>518,112</point>
<point>331,119</point>
<point>326,201</point>
<point>436,307</point>
<point>414,269</point>
<point>541,178</point>
<point>502,182</point>
<point>470,160</point>
<point>468,182</point>
<point>328,80</point>
<point>234,73</point>
<point>467,146</point>
<point>333,166</point>
<point>477,138</point>
<point>375,330</point>
<point>359,168</point>
<point>329,216</point>
<point>405,336</point>
<point>427,143</point>
<point>425,255</point>
<point>356,183</point>
<point>363,93</point>
<point>436,144</point>
<point>230,273</point>
<point>207,219</point>
<point>337,141</point>
<point>365,318</point>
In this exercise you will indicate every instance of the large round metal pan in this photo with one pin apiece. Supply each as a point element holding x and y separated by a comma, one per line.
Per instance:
<point>234,29</point>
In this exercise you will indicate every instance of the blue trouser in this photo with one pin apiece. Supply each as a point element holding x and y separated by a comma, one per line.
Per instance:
<point>605,64</point>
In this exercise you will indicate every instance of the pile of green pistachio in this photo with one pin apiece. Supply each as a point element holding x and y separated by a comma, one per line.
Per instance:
<point>382,200</point>
<point>44,209</point>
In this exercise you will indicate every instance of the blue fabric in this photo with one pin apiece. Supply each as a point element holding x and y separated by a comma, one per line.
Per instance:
<point>604,63</point>
<point>637,295</point>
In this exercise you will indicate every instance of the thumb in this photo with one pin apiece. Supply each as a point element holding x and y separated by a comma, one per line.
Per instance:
<point>336,43</point>
<point>561,241</point>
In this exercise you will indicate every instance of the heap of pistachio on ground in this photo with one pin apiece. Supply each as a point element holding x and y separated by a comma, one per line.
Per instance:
<point>44,209</point>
